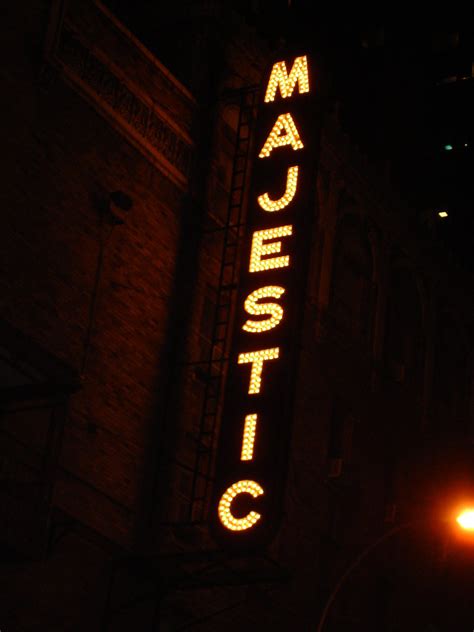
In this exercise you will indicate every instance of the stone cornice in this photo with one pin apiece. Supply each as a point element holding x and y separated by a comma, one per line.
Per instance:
<point>104,63</point>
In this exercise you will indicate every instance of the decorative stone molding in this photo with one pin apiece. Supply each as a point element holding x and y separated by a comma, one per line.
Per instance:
<point>88,57</point>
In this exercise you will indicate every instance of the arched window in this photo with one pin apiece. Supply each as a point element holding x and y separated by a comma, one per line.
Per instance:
<point>219,183</point>
<point>352,296</point>
<point>404,339</point>
<point>403,383</point>
<point>340,438</point>
<point>450,380</point>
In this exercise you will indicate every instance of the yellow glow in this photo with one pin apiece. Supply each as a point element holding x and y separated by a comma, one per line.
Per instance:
<point>224,508</point>
<point>257,358</point>
<point>277,205</point>
<point>259,249</point>
<point>443,214</point>
<point>250,428</point>
<point>279,79</point>
<point>466,519</point>
<point>284,132</point>
<point>254,308</point>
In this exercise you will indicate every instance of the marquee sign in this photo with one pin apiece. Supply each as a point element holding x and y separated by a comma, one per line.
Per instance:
<point>253,446</point>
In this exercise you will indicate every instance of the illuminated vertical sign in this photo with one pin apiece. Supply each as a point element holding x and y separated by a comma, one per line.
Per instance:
<point>255,430</point>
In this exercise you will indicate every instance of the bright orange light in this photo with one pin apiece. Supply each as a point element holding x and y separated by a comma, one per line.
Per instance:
<point>466,519</point>
<point>273,310</point>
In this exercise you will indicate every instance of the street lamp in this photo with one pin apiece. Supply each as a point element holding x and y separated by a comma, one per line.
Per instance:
<point>465,520</point>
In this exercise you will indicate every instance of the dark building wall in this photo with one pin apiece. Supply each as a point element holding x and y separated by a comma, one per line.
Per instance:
<point>99,114</point>
<point>64,160</point>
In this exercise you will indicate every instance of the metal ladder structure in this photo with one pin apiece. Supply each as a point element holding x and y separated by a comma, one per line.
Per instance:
<point>205,568</point>
<point>216,363</point>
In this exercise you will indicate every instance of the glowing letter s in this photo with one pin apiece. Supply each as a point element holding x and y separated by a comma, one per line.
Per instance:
<point>273,310</point>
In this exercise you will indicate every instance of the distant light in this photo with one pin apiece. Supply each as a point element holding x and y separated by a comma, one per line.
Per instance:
<point>448,147</point>
<point>443,214</point>
<point>466,519</point>
<point>465,144</point>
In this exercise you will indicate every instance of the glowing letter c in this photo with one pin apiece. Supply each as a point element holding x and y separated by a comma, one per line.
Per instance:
<point>224,509</point>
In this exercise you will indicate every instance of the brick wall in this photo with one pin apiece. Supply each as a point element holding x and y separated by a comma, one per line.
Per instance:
<point>63,158</point>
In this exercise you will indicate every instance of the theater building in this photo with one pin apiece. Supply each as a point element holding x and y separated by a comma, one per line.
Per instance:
<point>231,357</point>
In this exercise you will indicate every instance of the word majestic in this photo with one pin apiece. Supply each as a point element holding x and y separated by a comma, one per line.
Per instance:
<point>270,249</point>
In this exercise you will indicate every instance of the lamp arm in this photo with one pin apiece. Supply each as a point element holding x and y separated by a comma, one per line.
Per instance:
<point>355,563</point>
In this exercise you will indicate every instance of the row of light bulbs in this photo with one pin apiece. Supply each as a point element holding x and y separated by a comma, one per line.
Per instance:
<point>257,358</point>
<point>279,78</point>
<point>260,249</point>
<point>253,307</point>
<point>250,428</point>
<point>277,205</point>
<point>283,133</point>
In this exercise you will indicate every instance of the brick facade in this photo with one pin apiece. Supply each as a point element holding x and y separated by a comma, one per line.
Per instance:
<point>119,303</point>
